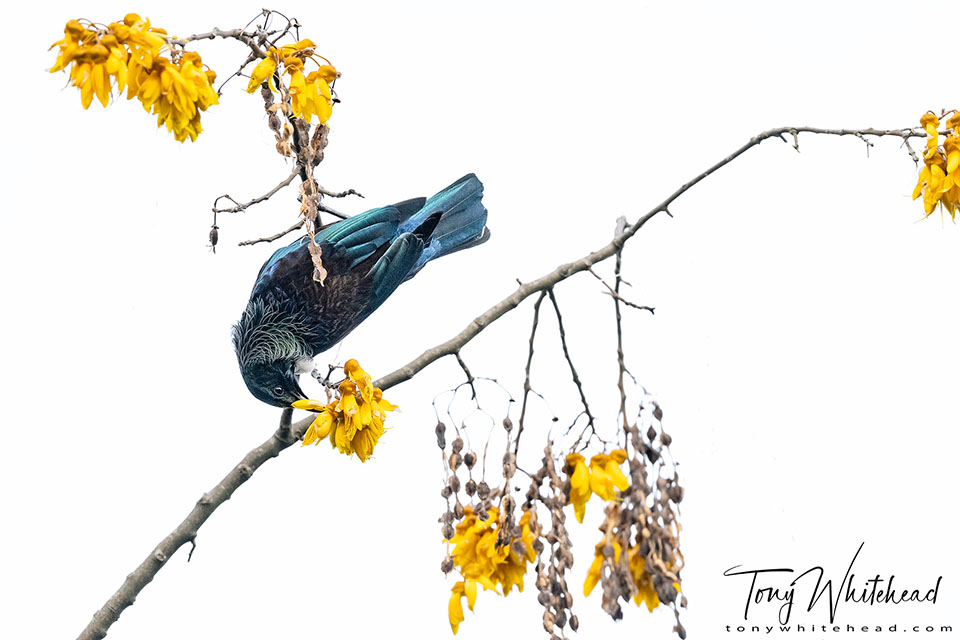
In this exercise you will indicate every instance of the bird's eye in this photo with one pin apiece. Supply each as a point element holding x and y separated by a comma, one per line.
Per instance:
<point>278,391</point>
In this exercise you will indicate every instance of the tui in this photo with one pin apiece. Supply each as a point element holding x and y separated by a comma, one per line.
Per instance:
<point>291,317</point>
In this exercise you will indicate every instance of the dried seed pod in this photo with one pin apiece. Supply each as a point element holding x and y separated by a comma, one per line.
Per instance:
<point>447,531</point>
<point>544,598</point>
<point>657,412</point>
<point>508,424</point>
<point>676,494</point>
<point>561,618</point>
<point>447,565</point>
<point>214,236</point>
<point>681,631</point>
<point>519,548</point>
<point>652,455</point>
<point>446,492</point>
<point>683,601</point>
<point>483,490</point>
<point>651,433</point>
<point>665,439</point>
<point>266,94</point>
<point>574,623</point>
<point>471,487</point>
<point>273,122</point>
<point>457,445</point>
<point>538,546</point>
<point>470,459</point>
<point>458,510</point>
<point>455,460</point>
<point>454,483</point>
<point>441,435</point>
<point>548,621</point>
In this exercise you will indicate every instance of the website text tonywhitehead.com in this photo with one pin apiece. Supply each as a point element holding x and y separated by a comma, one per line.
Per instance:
<point>826,628</point>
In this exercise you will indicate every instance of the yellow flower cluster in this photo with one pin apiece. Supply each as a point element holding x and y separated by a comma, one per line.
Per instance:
<point>603,476</point>
<point>642,580</point>
<point>309,95</point>
<point>127,54</point>
<point>354,421</point>
<point>482,562</point>
<point>939,180</point>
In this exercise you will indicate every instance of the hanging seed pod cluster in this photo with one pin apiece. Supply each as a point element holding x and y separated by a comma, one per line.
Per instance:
<point>493,539</point>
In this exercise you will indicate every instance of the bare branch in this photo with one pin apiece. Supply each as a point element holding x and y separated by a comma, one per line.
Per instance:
<point>616,296</point>
<point>566,354</point>
<point>339,194</point>
<point>470,378</point>
<point>269,194</point>
<point>275,236</point>
<point>251,39</point>
<point>526,380</point>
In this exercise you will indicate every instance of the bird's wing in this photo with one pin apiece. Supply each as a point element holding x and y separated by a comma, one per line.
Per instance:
<point>346,244</point>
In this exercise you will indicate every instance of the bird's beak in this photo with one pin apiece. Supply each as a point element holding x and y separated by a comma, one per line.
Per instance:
<point>296,388</point>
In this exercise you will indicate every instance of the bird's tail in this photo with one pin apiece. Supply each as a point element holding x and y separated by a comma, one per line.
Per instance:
<point>462,221</point>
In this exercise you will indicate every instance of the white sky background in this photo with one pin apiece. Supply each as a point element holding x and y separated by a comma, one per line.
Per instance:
<point>804,346</point>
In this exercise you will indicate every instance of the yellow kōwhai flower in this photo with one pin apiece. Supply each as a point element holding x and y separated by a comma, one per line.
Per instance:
<point>482,562</point>
<point>642,580</point>
<point>353,422</point>
<point>579,484</point>
<point>310,93</point>
<point>605,474</point>
<point>97,60</point>
<point>127,55</point>
<point>602,477</point>
<point>596,569</point>
<point>939,179</point>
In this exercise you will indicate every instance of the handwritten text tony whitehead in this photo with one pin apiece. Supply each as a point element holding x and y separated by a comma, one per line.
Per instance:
<point>875,590</point>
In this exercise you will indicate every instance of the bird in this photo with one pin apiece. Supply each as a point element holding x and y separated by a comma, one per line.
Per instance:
<point>291,317</point>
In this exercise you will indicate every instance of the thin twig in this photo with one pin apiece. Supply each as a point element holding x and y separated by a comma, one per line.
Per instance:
<point>470,378</point>
<point>566,354</point>
<point>613,293</point>
<point>526,381</point>
<point>269,194</point>
<point>339,194</point>
<point>275,236</point>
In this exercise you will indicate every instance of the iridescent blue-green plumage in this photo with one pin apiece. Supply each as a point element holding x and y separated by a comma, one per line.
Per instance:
<point>291,318</point>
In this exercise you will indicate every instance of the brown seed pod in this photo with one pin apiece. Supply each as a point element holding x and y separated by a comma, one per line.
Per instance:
<point>455,460</point>
<point>447,532</point>
<point>447,565</point>
<point>470,459</point>
<point>483,490</point>
<point>651,433</point>
<point>508,424</point>
<point>441,435</point>
<point>446,492</point>
<point>457,445</point>
<point>665,439</point>
<point>458,510</point>
<point>273,122</point>
<point>267,95</point>
<point>454,483</point>
<point>471,487</point>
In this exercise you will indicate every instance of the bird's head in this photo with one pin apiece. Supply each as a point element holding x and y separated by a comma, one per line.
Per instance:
<point>274,383</point>
<point>271,350</point>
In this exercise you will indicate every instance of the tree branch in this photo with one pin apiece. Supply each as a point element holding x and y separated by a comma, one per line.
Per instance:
<point>269,194</point>
<point>275,236</point>
<point>289,433</point>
